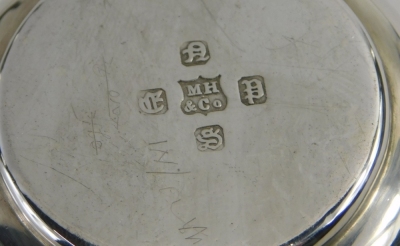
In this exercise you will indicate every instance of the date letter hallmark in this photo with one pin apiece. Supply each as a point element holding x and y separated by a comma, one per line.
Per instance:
<point>252,90</point>
<point>153,101</point>
<point>210,138</point>
<point>194,53</point>
<point>203,96</point>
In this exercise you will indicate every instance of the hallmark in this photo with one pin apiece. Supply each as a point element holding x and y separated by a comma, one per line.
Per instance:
<point>252,90</point>
<point>203,96</point>
<point>153,101</point>
<point>194,53</point>
<point>210,138</point>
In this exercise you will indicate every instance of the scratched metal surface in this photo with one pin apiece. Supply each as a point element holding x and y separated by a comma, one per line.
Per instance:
<point>78,146</point>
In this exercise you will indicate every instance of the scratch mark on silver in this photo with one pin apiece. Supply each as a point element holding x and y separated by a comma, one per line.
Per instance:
<point>168,172</point>
<point>219,27</point>
<point>162,151</point>
<point>197,229</point>
<point>73,110</point>
<point>158,142</point>
<point>114,112</point>
<point>52,168</point>
<point>45,137</point>
<point>95,143</point>
<point>166,162</point>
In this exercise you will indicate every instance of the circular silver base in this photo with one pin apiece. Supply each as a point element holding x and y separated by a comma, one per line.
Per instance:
<point>200,122</point>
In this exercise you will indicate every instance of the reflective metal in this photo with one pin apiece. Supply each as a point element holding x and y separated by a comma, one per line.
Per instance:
<point>300,146</point>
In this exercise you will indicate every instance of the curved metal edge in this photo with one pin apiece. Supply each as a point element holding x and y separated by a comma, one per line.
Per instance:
<point>321,232</point>
<point>28,215</point>
<point>19,12</point>
<point>15,26</point>
<point>377,220</point>
<point>341,213</point>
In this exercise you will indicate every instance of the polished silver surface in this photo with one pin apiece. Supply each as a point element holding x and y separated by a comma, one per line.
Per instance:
<point>99,135</point>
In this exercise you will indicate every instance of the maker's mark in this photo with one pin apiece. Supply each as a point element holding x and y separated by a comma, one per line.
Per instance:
<point>202,95</point>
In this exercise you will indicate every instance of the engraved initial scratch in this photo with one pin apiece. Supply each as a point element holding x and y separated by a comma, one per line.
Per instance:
<point>108,88</point>
<point>162,155</point>
<point>198,229</point>
<point>111,97</point>
<point>198,238</point>
<point>95,142</point>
